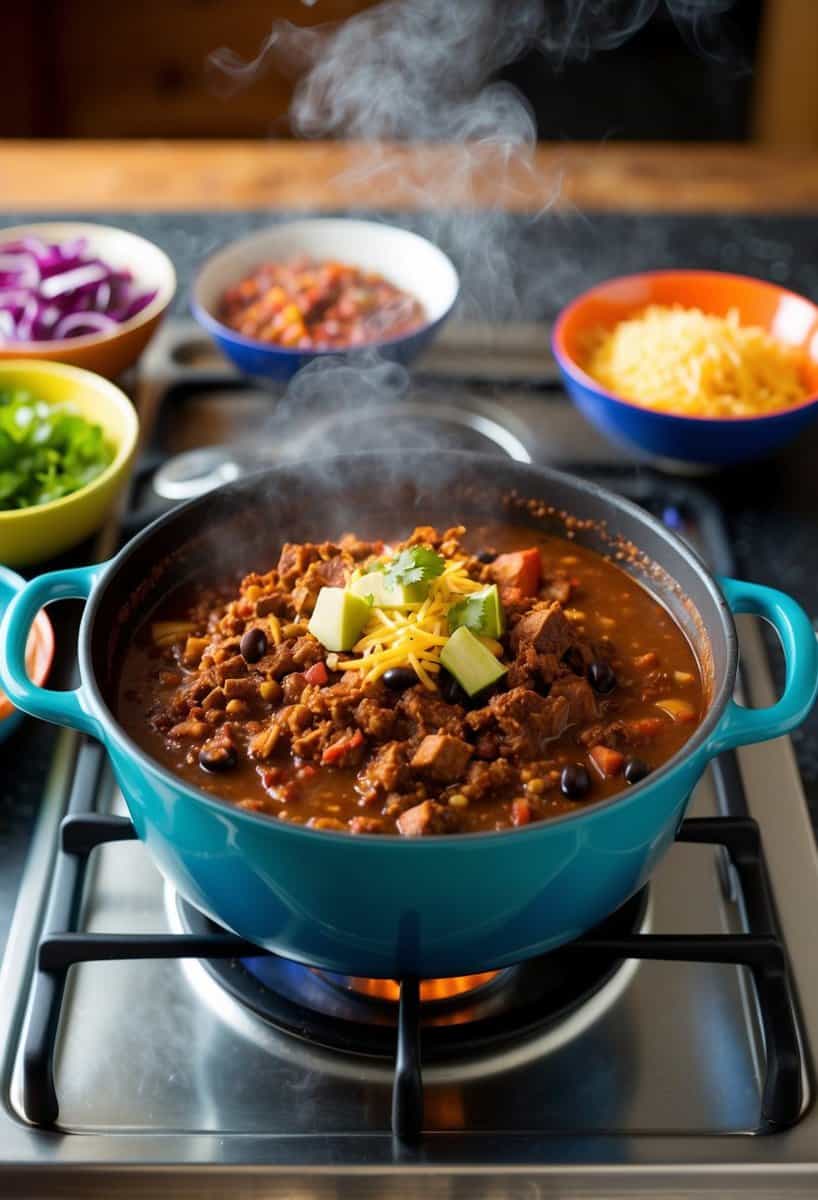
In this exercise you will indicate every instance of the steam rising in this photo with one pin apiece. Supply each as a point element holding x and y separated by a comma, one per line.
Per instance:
<point>424,71</point>
<point>417,72</point>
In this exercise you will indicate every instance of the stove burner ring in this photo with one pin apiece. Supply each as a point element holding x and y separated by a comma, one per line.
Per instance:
<point>533,997</point>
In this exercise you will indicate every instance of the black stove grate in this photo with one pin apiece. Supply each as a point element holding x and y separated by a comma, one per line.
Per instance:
<point>63,946</point>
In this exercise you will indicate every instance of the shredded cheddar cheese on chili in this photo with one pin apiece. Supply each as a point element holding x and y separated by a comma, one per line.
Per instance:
<point>412,635</point>
<point>685,361</point>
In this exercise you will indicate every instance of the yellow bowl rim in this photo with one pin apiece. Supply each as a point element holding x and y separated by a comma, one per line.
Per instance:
<point>91,382</point>
<point>164,293</point>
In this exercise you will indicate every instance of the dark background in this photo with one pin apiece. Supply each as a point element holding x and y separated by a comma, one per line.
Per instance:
<point>89,68</point>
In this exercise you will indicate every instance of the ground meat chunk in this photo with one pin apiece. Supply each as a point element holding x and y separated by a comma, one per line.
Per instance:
<point>531,669</point>
<point>423,819</point>
<point>358,549</point>
<point>387,771</point>
<point>546,628</point>
<point>376,722</point>
<point>330,573</point>
<point>294,560</point>
<point>292,686</point>
<point>339,702</point>
<point>579,694</point>
<point>442,757</point>
<point>429,714</point>
<point>447,542</point>
<point>276,603</point>
<point>486,778</point>
<point>524,721</point>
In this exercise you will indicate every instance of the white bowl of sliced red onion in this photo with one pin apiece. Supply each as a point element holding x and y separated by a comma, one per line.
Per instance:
<point>79,293</point>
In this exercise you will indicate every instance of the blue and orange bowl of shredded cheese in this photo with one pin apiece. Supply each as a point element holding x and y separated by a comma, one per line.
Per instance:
<point>693,366</point>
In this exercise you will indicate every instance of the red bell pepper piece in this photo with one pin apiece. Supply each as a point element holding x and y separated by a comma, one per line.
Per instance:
<point>317,674</point>
<point>338,749</point>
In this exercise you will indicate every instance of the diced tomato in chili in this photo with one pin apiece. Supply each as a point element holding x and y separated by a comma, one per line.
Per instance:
<point>317,674</point>
<point>609,762</point>
<point>337,750</point>
<point>520,812</point>
<point>521,569</point>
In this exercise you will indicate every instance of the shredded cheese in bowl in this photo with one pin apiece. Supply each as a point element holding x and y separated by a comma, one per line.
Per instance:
<point>412,635</point>
<point>691,363</point>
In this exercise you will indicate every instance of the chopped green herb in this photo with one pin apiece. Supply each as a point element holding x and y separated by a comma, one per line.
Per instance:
<point>470,612</point>
<point>418,564</point>
<point>46,451</point>
<point>481,612</point>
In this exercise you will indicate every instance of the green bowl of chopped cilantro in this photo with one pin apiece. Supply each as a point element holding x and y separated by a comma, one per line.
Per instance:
<point>67,439</point>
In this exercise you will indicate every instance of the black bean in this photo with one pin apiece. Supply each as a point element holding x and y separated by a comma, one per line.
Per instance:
<point>399,678</point>
<point>451,691</point>
<point>542,685</point>
<point>218,758</point>
<point>601,677</point>
<point>636,769</point>
<point>485,556</point>
<point>575,782</point>
<point>253,645</point>
<point>573,659</point>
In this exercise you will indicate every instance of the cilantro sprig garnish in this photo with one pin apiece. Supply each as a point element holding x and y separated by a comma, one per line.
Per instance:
<point>418,564</point>
<point>471,611</point>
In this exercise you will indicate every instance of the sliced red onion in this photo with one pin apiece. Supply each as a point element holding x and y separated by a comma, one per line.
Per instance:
<point>102,297</point>
<point>61,289</point>
<point>71,281</point>
<point>13,297</point>
<point>25,324</point>
<point>84,322</point>
<point>22,267</point>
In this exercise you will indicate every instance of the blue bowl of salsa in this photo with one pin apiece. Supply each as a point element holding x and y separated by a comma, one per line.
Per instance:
<point>353,286</point>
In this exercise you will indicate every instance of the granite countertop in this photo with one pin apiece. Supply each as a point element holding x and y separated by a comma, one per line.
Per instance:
<point>535,265</point>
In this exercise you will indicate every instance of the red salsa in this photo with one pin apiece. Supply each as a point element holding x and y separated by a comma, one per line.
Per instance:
<point>307,305</point>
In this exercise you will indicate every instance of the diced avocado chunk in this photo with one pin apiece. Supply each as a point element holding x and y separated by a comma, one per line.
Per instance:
<point>374,585</point>
<point>472,664</point>
<point>493,621</point>
<point>338,618</point>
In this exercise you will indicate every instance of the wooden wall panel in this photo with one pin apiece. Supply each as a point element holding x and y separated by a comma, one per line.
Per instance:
<point>786,98</point>
<point>20,65</point>
<point>137,69</point>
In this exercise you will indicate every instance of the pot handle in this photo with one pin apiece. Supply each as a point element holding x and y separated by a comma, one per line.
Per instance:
<point>64,708</point>
<point>741,725</point>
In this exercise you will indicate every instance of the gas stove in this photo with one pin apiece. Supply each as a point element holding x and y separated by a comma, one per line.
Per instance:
<point>670,1048</point>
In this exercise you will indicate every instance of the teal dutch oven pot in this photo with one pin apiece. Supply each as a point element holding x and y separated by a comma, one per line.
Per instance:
<point>388,906</point>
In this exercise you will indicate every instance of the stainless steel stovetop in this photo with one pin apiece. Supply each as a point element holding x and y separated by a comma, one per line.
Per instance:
<point>165,1081</point>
